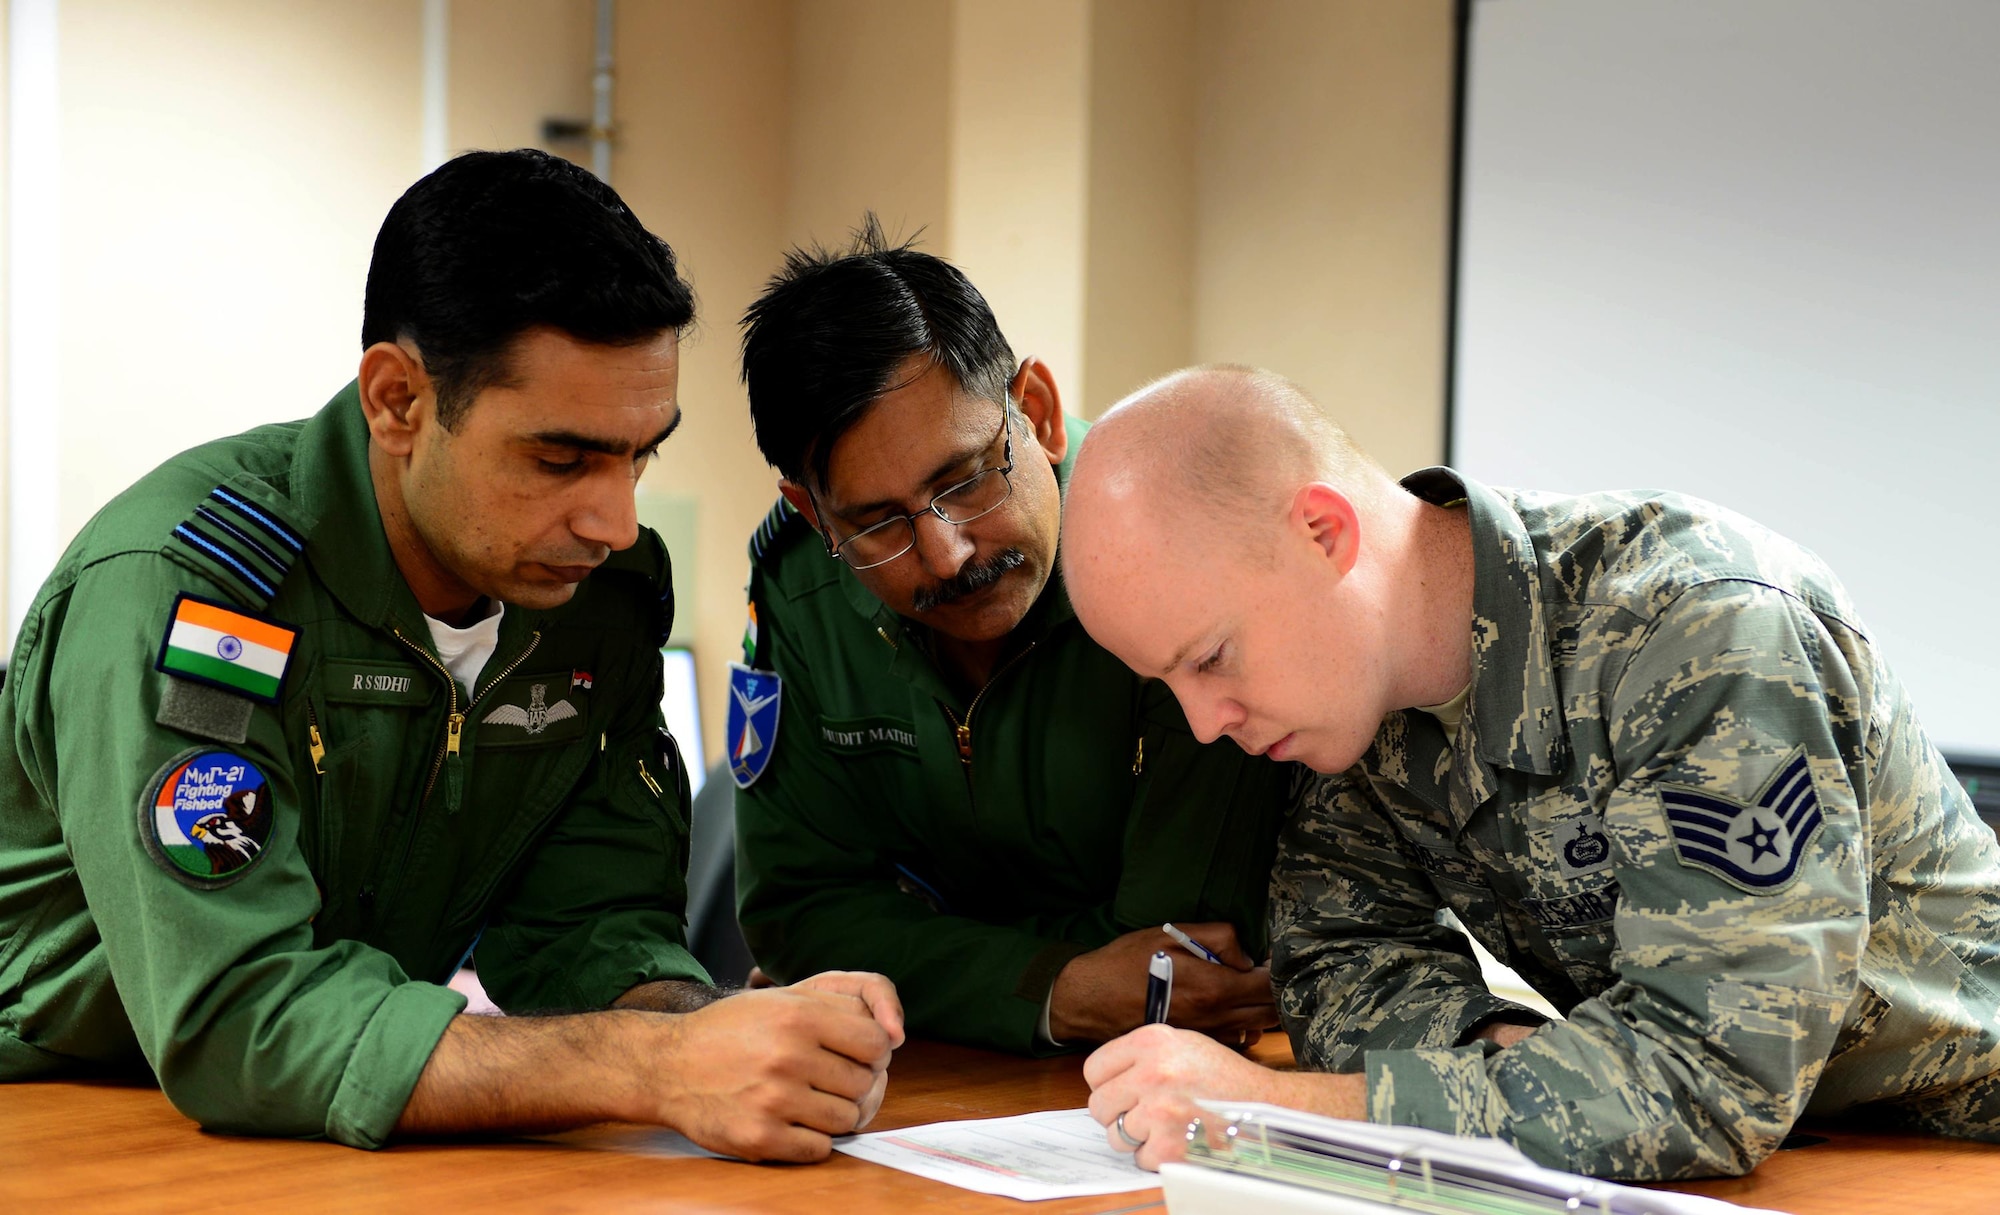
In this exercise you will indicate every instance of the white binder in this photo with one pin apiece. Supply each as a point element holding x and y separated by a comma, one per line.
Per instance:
<point>1277,1161</point>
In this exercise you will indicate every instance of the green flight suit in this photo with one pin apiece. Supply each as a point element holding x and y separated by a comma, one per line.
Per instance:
<point>300,995</point>
<point>1079,808</point>
<point>1691,804</point>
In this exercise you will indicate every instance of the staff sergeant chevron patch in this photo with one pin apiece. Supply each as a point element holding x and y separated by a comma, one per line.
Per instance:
<point>1757,845</point>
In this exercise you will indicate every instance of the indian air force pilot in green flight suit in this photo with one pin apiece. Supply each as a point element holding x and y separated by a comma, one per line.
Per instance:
<point>250,822</point>
<point>944,778</point>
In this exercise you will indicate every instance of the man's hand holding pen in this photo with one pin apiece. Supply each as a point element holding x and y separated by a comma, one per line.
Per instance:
<point>1102,994</point>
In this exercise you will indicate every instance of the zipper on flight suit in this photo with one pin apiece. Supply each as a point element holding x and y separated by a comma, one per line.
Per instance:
<point>962,729</point>
<point>314,743</point>
<point>454,722</point>
<point>316,748</point>
<point>650,782</point>
<point>453,729</point>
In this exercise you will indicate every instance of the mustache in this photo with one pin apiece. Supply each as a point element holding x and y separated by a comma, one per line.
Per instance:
<point>975,576</point>
<point>593,556</point>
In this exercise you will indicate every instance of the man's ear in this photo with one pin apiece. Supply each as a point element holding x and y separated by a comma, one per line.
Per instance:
<point>396,396</point>
<point>1328,518</point>
<point>1035,387</point>
<point>801,501</point>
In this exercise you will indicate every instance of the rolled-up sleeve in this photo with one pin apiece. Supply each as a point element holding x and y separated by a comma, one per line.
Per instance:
<point>249,1027</point>
<point>1731,981</point>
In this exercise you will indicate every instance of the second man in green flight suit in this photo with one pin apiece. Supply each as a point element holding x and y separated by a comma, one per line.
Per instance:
<point>942,777</point>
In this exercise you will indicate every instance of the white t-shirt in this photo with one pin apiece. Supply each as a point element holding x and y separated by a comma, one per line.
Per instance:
<point>464,651</point>
<point>1450,713</point>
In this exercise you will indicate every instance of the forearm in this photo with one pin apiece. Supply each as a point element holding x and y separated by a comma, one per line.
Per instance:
<point>532,1074</point>
<point>1332,1095</point>
<point>670,996</point>
<point>1341,999</point>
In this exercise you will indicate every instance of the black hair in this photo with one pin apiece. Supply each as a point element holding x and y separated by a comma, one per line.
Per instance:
<point>491,244</point>
<point>826,338</point>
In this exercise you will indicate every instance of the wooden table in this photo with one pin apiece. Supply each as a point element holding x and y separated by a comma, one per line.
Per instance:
<point>90,1146</point>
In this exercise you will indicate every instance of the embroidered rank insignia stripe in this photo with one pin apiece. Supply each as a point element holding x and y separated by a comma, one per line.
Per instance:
<point>781,513</point>
<point>1755,845</point>
<point>248,546</point>
<point>214,644</point>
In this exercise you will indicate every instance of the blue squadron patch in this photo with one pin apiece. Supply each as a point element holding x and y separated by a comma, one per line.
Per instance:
<point>1753,845</point>
<point>753,721</point>
<point>206,817</point>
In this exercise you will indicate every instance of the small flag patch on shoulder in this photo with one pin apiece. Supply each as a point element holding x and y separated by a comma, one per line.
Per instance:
<point>223,647</point>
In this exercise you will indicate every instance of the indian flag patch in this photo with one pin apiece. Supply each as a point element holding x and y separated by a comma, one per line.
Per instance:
<point>215,644</point>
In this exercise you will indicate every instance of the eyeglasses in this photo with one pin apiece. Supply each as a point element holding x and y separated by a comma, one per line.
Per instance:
<point>975,497</point>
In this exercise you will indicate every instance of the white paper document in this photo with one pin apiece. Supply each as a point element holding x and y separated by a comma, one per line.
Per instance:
<point>1054,1154</point>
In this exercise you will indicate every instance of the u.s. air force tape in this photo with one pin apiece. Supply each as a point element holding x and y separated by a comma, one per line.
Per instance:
<point>205,817</point>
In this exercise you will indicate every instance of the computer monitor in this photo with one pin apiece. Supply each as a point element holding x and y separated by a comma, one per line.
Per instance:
<point>681,706</point>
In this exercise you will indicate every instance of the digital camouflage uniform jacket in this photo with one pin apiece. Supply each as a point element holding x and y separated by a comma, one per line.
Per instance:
<point>284,979</point>
<point>1080,806</point>
<point>1691,805</point>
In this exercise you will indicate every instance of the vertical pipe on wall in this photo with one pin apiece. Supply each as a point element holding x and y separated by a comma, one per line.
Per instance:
<point>34,297</point>
<point>436,130</point>
<point>1461,71</point>
<point>600,93</point>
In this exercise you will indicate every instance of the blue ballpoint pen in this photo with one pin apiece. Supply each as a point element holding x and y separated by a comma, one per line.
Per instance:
<point>1159,988</point>
<point>1193,946</point>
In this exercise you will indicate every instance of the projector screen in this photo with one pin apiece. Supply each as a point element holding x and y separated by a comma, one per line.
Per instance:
<point>1750,250</point>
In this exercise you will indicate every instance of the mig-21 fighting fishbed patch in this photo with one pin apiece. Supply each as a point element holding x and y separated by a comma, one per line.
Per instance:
<point>206,817</point>
<point>1755,845</point>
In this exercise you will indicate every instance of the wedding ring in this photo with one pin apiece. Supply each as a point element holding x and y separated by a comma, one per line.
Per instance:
<point>1119,1125</point>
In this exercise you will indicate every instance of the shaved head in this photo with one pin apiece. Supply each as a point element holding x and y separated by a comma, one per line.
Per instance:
<point>1228,446</point>
<point>1221,534</point>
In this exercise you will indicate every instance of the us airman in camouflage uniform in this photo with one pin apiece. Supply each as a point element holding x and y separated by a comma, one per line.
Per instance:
<point>1690,804</point>
<point>1677,789</point>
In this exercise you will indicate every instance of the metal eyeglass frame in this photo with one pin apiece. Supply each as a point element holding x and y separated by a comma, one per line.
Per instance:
<point>1005,468</point>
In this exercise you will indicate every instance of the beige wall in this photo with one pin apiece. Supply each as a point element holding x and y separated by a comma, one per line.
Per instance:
<point>1019,148</point>
<point>225,166</point>
<point>513,63</point>
<point>702,114</point>
<point>1322,205</point>
<point>1135,184</point>
<point>6,303</point>
<point>1139,271</point>
<point>870,120</point>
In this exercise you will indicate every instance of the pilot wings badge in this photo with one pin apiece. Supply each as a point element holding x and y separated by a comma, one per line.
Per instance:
<point>753,721</point>
<point>538,716</point>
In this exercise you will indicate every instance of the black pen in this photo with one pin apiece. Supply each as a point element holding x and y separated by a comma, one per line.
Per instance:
<point>1159,988</point>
